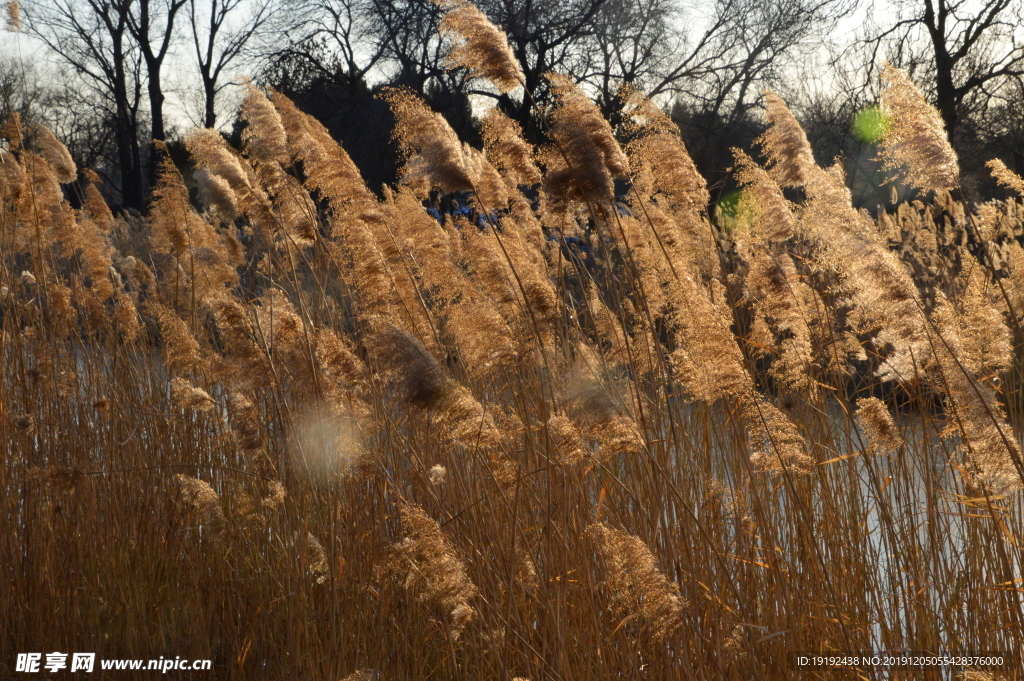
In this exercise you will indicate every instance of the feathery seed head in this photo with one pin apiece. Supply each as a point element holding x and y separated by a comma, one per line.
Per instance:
<point>915,141</point>
<point>585,156</point>
<point>216,194</point>
<point>785,144</point>
<point>201,496</point>
<point>421,380</point>
<point>480,46</point>
<point>438,474</point>
<point>660,154</point>
<point>13,19</point>
<point>1006,177</point>
<point>877,423</point>
<point>431,567</point>
<point>507,150</point>
<point>425,133</point>
<point>635,584</point>
<point>187,396</point>
<point>56,154</point>
<point>264,136</point>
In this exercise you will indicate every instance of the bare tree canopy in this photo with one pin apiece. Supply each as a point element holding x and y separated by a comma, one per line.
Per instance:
<point>965,54</point>
<point>221,31</point>
<point>95,37</point>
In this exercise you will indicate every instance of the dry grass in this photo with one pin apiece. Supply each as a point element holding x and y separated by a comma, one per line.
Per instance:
<point>310,434</point>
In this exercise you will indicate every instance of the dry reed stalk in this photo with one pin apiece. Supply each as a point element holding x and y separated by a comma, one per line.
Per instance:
<point>84,417</point>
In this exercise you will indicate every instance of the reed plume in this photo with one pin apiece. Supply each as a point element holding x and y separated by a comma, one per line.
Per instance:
<point>263,136</point>
<point>772,282</point>
<point>431,568</point>
<point>566,439</point>
<point>211,152</point>
<point>201,497</point>
<point>585,156</point>
<point>437,474</point>
<point>986,437</point>
<point>778,444</point>
<point>785,144</point>
<point>95,207</point>
<point>878,425</point>
<point>425,135</point>
<point>11,175</point>
<point>662,162</point>
<point>634,584</point>
<point>884,300</point>
<point>1006,177</point>
<point>507,150</point>
<point>490,190</point>
<point>187,396</point>
<point>216,194</point>
<point>13,131</point>
<point>602,419</point>
<point>181,350</point>
<point>56,154</point>
<point>479,46</point>
<point>328,168</point>
<point>12,22</point>
<point>914,141</point>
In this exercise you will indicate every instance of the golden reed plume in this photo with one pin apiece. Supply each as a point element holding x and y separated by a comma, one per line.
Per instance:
<point>479,46</point>
<point>1006,177</point>
<point>914,141</point>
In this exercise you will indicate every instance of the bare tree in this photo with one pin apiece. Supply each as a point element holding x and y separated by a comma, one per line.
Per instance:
<point>94,38</point>
<point>967,52</point>
<point>152,26</point>
<point>353,34</point>
<point>631,42</point>
<point>222,32</point>
<point>746,46</point>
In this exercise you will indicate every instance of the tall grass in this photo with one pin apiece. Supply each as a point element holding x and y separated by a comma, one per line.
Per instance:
<point>310,433</point>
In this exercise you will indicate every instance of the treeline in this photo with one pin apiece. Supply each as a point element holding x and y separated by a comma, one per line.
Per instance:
<point>119,75</point>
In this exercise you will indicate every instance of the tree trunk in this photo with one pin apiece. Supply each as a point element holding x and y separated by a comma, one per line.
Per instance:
<point>210,118</point>
<point>156,102</point>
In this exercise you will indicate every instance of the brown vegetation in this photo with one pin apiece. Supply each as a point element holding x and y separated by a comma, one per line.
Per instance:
<point>310,434</point>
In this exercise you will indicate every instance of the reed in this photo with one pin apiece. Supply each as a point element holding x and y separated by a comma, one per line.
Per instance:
<point>307,432</point>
